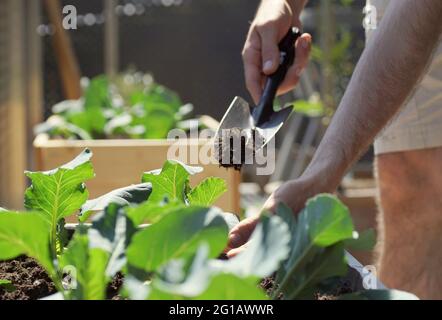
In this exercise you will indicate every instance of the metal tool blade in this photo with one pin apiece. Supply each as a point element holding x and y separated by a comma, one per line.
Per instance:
<point>269,128</point>
<point>239,115</point>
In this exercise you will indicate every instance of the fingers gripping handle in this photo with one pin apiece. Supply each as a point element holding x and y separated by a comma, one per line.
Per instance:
<point>287,56</point>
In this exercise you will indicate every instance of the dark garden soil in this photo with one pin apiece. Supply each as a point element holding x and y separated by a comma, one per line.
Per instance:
<point>29,280</point>
<point>226,153</point>
<point>352,282</point>
<point>114,287</point>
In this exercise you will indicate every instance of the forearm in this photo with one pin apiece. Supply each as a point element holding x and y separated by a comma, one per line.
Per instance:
<point>386,74</point>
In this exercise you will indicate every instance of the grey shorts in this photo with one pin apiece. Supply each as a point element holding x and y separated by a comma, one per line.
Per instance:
<point>418,125</point>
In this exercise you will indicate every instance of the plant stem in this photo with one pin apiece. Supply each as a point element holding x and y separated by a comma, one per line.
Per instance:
<point>286,280</point>
<point>53,240</point>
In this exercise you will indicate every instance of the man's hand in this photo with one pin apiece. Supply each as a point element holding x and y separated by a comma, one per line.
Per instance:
<point>292,193</point>
<point>261,53</point>
<point>388,70</point>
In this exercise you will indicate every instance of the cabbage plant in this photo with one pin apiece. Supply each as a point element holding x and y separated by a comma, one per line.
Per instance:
<point>131,105</point>
<point>165,236</point>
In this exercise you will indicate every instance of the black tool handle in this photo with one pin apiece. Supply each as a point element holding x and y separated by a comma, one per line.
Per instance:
<point>264,109</point>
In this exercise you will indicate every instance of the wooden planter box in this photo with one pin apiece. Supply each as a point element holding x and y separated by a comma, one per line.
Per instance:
<point>119,163</point>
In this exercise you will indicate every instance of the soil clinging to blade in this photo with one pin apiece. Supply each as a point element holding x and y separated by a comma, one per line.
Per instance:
<point>235,146</point>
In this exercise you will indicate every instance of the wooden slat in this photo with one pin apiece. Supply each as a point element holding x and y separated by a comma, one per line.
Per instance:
<point>16,155</point>
<point>67,62</point>
<point>34,71</point>
<point>111,37</point>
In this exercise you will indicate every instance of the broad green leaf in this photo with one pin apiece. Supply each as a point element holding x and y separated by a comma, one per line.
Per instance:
<point>91,121</point>
<point>207,192</point>
<point>231,219</point>
<point>379,295</point>
<point>232,287</point>
<point>151,211</point>
<point>173,281</point>
<point>133,194</point>
<point>60,192</point>
<point>158,123</point>
<point>178,235</point>
<point>365,241</point>
<point>170,181</point>
<point>97,94</point>
<point>7,285</point>
<point>88,267</point>
<point>323,264</point>
<point>328,219</point>
<point>287,215</point>
<point>3,209</point>
<point>160,95</point>
<point>267,248</point>
<point>317,242</point>
<point>112,231</point>
<point>221,286</point>
<point>25,234</point>
<point>203,282</point>
<point>96,99</point>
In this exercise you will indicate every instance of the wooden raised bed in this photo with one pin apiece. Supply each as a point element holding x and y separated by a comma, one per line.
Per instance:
<point>119,163</point>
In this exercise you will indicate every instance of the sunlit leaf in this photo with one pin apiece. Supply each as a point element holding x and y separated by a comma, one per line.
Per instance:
<point>25,234</point>
<point>207,192</point>
<point>267,248</point>
<point>88,267</point>
<point>178,235</point>
<point>365,241</point>
<point>317,243</point>
<point>170,181</point>
<point>133,194</point>
<point>112,231</point>
<point>60,192</point>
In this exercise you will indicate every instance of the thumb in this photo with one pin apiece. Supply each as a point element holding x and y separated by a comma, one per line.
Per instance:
<point>241,233</point>
<point>269,51</point>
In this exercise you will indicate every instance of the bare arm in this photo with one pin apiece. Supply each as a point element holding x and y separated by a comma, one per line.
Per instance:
<point>386,74</point>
